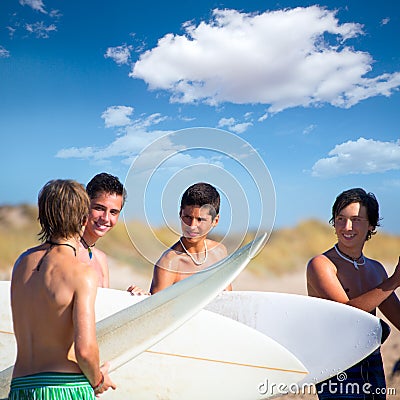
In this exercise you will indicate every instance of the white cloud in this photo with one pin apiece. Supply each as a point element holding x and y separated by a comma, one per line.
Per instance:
<point>117,116</point>
<point>241,127</point>
<point>226,122</point>
<point>130,145</point>
<point>151,120</point>
<point>11,30</point>
<point>76,152</point>
<point>309,129</point>
<point>40,29</point>
<point>385,21</point>
<point>35,4</point>
<point>364,156</point>
<point>233,125</point>
<point>263,117</point>
<point>134,136</point>
<point>4,53</point>
<point>286,58</point>
<point>125,146</point>
<point>120,54</point>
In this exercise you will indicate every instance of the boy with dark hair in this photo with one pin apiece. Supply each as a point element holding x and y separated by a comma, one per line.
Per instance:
<point>107,197</point>
<point>199,214</point>
<point>53,305</point>
<point>345,275</point>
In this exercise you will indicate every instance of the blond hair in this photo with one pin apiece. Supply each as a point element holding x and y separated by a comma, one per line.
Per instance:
<point>63,209</point>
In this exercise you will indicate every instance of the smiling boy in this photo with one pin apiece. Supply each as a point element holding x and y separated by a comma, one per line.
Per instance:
<point>199,214</point>
<point>107,197</point>
<point>345,275</point>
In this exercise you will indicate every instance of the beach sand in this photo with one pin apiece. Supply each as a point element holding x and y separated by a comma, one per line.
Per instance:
<point>121,276</point>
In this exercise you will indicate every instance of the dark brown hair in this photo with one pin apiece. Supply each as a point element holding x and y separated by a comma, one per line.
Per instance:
<point>358,195</point>
<point>105,183</point>
<point>202,194</point>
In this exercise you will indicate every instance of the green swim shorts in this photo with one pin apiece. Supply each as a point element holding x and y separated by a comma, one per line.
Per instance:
<point>51,386</point>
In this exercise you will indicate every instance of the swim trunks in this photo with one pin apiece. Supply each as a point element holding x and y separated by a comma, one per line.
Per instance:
<point>365,380</point>
<point>51,385</point>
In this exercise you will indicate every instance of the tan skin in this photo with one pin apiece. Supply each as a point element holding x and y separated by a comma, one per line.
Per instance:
<point>105,210</point>
<point>54,308</point>
<point>103,216</point>
<point>336,279</point>
<point>175,265</point>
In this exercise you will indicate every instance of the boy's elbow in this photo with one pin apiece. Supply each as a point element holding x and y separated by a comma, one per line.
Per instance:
<point>85,352</point>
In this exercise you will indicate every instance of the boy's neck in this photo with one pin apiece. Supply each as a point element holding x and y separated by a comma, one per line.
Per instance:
<point>88,240</point>
<point>194,246</point>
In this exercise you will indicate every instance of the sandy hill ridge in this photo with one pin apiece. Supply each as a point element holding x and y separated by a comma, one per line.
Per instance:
<point>287,250</point>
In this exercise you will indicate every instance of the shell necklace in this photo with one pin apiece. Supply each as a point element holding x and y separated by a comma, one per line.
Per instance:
<point>190,255</point>
<point>352,260</point>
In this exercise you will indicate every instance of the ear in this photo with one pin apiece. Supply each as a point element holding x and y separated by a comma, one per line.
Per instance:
<point>215,221</point>
<point>85,220</point>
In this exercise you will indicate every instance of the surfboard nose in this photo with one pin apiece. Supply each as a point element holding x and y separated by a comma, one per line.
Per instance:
<point>257,244</point>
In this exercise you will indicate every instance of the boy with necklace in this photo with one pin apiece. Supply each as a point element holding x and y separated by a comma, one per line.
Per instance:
<point>107,197</point>
<point>53,303</point>
<point>199,214</point>
<point>345,275</point>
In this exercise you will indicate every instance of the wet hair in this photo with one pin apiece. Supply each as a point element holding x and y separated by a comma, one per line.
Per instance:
<point>63,209</point>
<point>358,195</point>
<point>202,194</point>
<point>105,183</point>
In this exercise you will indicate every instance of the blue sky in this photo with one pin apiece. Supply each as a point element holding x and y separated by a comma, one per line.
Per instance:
<point>311,87</point>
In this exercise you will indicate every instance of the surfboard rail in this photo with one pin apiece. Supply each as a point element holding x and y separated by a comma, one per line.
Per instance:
<point>127,333</point>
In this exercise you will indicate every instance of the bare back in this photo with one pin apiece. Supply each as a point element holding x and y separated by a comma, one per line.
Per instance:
<point>46,304</point>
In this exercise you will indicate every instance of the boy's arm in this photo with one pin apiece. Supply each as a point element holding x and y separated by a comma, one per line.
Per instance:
<point>85,342</point>
<point>391,310</point>
<point>321,276</point>
<point>162,278</point>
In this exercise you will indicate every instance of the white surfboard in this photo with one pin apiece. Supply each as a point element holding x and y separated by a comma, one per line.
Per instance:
<point>210,356</point>
<point>202,353</point>
<point>326,336</point>
<point>127,333</point>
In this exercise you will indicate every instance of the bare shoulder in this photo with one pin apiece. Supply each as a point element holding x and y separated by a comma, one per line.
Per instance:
<point>164,274</point>
<point>320,260</point>
<point>168,256</point>
<point>320,265</point>
<point>217,248</point>
<point>82,277</point>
